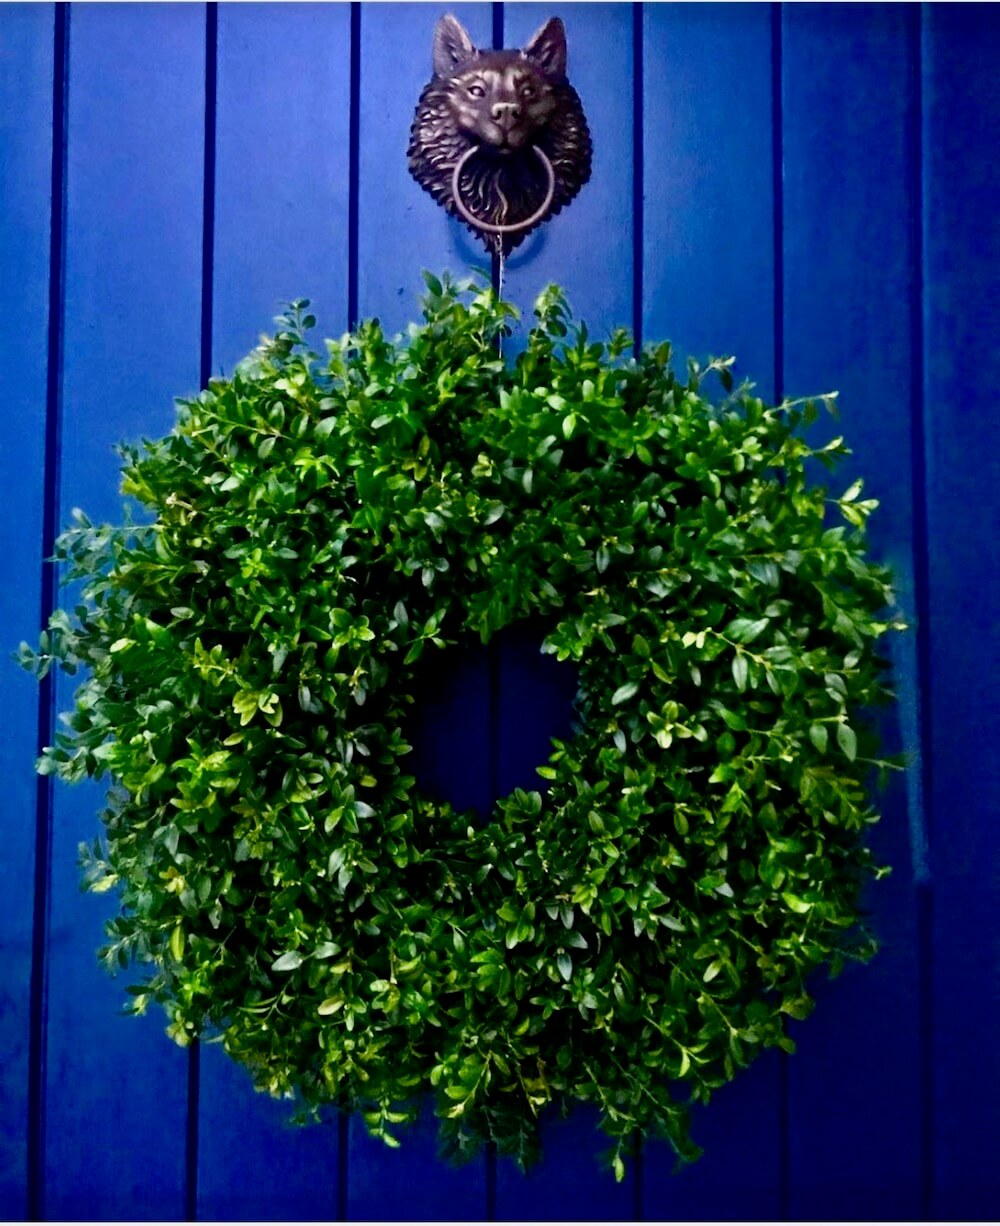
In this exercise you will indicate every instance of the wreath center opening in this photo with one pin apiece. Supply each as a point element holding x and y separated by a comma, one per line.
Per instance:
<point>484,718</point>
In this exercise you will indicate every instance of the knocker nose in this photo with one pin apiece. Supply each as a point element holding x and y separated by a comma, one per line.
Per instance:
<point>506,110</point>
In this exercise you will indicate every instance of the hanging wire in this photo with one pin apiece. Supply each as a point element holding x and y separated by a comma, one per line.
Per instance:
<point>499,271</point>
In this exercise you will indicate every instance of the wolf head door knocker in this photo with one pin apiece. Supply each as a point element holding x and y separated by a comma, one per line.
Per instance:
<point>499,138</point>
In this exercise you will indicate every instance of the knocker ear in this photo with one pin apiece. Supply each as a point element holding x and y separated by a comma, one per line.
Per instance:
<point>452,46</point>
<point>548,48</point>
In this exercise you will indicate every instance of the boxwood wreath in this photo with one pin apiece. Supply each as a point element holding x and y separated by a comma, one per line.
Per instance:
<point>318,529</point>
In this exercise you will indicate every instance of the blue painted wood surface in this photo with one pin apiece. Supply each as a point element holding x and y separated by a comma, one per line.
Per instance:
<point>26,100</point>
<point>849,259</point>
<point>400,232</point>
<point>400,229</point>
<point>811,188</point>
<point>709,284</point>
<point>961,311</point>
<point>589,250</point>
<point>279,207</point>
<point>595,236</point>
<point>135,126</point>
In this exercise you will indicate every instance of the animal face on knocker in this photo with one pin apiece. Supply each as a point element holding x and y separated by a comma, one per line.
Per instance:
<point>502,103</point>
<point>499,137</point>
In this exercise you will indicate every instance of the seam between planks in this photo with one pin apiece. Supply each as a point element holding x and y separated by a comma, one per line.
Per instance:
<point>354,165</point>
<point>192,1120</point>
<point>38,991</point>
<point>353,291</point>
<point>919,809</point>
<point>778,331</point>
<point>638,296</point>
<point>490,1160</point>
<point>638,174</point>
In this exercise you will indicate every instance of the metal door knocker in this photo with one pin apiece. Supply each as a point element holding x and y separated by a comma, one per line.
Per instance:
<point>499,137</point>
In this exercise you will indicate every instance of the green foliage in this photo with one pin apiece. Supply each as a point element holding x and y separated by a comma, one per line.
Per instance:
<point>316,529</point>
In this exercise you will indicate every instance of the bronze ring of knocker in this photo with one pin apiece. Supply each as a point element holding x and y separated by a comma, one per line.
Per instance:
<point>516,226</point>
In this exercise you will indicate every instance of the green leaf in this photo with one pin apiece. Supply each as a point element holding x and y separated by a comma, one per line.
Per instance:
<point>799,905</point>
<point>746,629</point>
<point>290,961</point>
<point>847,741</point>
<point>798,1007</point>
<point>624,693</point>
<point>245,704</point>
<point>819,736</point>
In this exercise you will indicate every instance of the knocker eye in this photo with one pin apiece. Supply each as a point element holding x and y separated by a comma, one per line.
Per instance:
<point>476,91</point>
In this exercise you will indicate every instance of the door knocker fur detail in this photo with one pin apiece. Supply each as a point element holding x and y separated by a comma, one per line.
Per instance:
<point>499,137</point>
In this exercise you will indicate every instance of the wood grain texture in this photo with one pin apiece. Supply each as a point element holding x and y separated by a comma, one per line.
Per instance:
<point>26,94</point>
<point>116,1088</point>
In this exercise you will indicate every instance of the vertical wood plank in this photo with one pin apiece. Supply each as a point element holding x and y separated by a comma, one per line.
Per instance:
<point>961,119</point>
<point>449,730</point>
<point>281,198</point>
<point>26,121</point>
<point>589,250</point>
<point>400,232</point>
<point>116,1088</point>
<point>709,279</point>
<point>708,259</point>
<point>855,1083</point>
<point>535,704</point>
<point>280,232</point>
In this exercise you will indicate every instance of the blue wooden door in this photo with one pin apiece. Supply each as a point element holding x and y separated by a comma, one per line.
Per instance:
<point>813,188</point>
